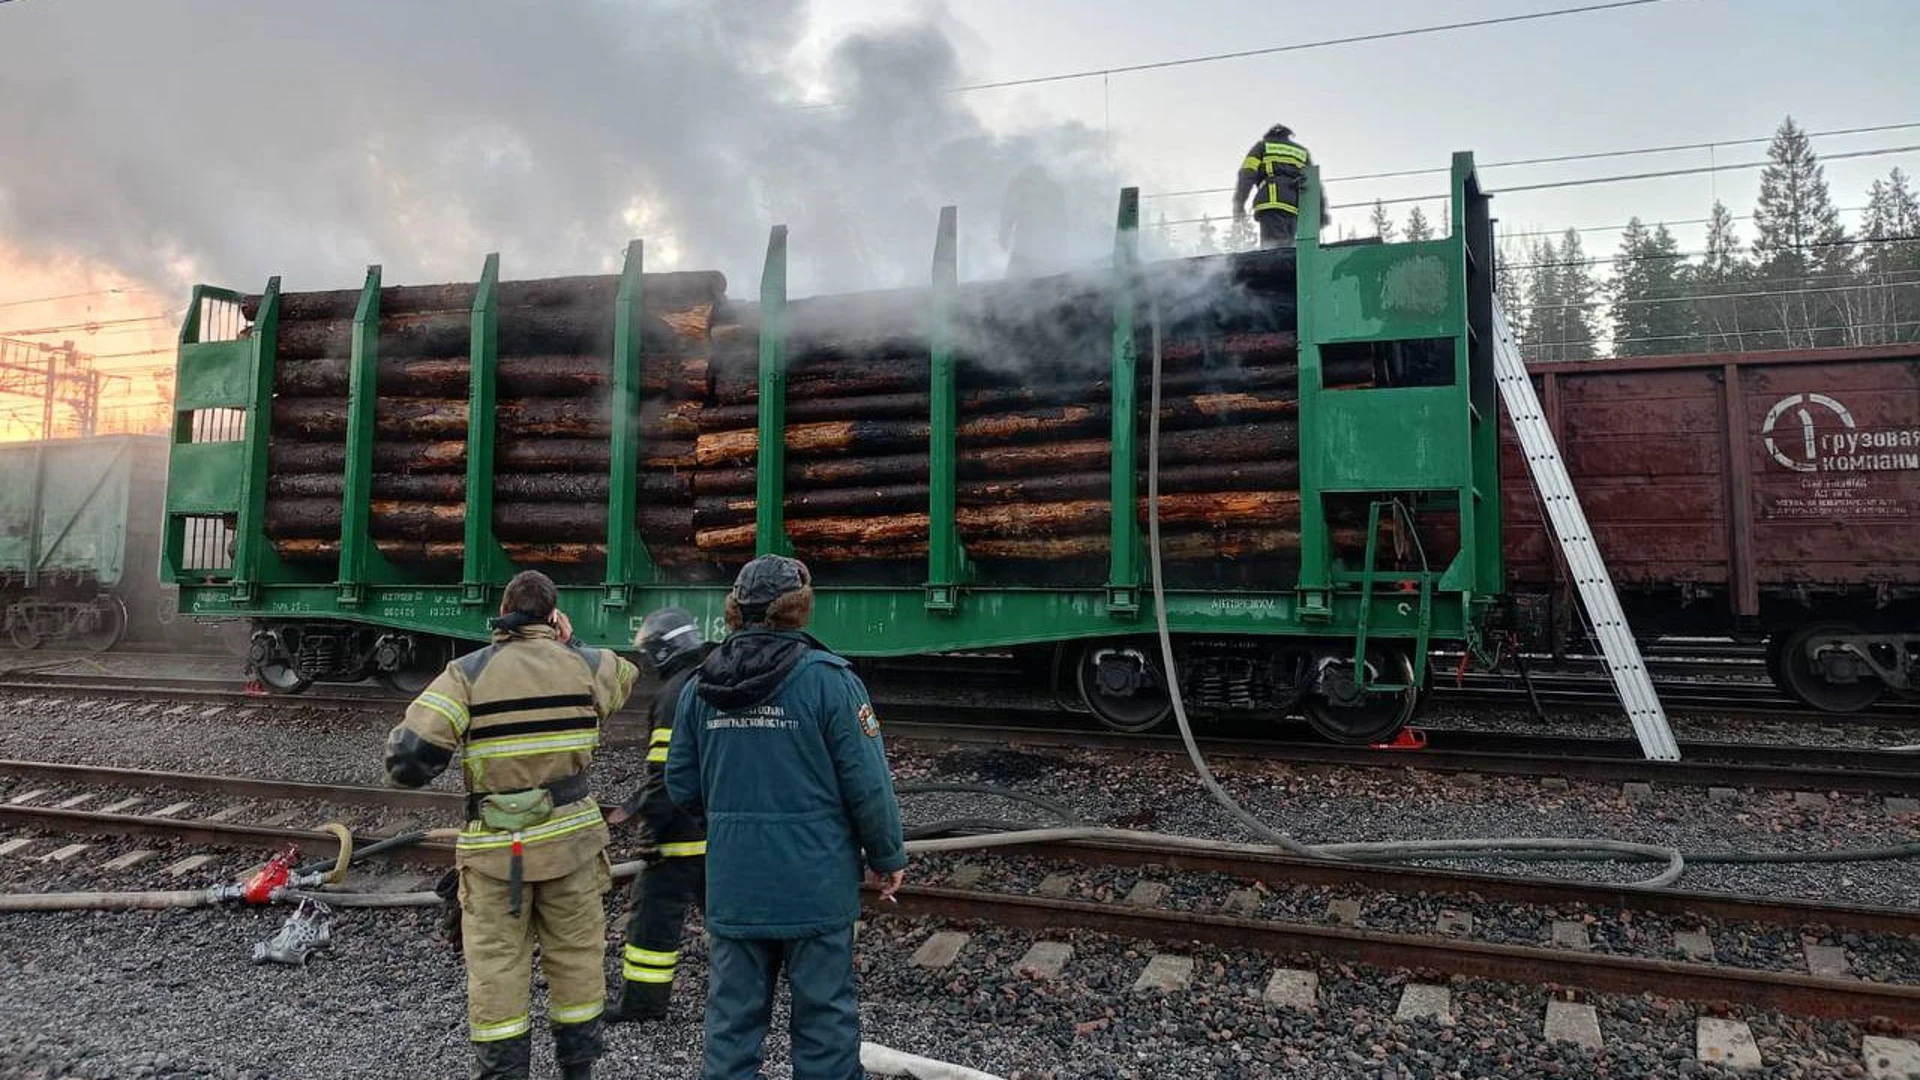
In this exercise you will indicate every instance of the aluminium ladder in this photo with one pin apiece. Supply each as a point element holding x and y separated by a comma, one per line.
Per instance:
<point>1589,570</point>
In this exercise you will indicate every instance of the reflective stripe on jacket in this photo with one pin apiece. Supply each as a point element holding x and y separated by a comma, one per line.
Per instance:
<point>524,712</point>
<point>671,831</point>
<point>1280,170</point>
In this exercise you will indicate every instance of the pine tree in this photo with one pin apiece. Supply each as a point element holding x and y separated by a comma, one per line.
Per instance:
<point>1723,273</point>
<point>1539,341</point>
<point>1890,233</point>
<point>1578,292</point>
<point>1510,283</point>
<point>1209,236</point>
<point>1382,222</point>
<point>1241,235</point>
<point>1800,245</point>
<point>1651,315</point>
<point>1417,226</point>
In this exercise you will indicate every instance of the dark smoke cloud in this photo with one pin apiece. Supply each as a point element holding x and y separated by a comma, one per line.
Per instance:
<point>226,140</point>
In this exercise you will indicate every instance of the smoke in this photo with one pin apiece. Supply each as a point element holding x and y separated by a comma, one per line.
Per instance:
<point>227,140</point>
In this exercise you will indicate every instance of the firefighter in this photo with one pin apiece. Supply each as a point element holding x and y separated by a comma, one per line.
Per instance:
<point>524,713</point>
<point>1275,171</point>
<point>673,841</point>
<point>775,739</point>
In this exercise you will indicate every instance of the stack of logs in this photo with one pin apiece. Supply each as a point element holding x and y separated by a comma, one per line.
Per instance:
<point>1034,423</point>
<point>552,422</point>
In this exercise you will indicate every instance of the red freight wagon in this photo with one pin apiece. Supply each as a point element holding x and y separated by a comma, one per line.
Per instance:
<point>1762,495</point>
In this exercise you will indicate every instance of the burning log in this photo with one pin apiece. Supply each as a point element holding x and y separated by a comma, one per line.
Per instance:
<point>683,376</point>
<point>715,511</point>
<point>676,289</point>
<point>654,485</point>
<point>1275,441</point>
<point>410,457</point>
<point>1022,520</point>
<point>915,405</point>
<point>429,418</point>
<point>448,552</point>
<point>564,331</point>
<point>390,519</point>
<point>1057,422</point>
<point>1189,545</point>
<point>510,455</point>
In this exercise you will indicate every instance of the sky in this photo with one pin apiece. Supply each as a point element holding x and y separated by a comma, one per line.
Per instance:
<point>147,144</point>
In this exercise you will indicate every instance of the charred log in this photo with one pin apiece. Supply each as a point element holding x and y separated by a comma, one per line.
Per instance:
<point>670,290</point>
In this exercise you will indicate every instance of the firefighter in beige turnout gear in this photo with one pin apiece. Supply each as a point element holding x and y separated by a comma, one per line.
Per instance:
<point>525,714</point>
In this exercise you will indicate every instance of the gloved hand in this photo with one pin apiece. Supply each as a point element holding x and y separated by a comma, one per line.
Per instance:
<point>646,848</point>
<point>448,889</point>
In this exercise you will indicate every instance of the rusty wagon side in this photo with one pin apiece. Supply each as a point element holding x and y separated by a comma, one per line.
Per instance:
<point>1763,495</point>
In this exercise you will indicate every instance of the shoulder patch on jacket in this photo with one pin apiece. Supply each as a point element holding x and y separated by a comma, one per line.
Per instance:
<point>869,721</point>
<point>472,664</point>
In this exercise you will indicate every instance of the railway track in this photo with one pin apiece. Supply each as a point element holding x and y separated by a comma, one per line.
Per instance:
<point>1704,763</point>
<point>38,800</point>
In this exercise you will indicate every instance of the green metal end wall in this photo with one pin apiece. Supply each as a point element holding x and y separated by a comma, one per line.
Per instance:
<point>1396,443</point>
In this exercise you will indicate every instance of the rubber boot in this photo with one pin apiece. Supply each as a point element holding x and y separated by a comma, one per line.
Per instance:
<point>640,1002</point>
<point>576,1047</point>
<point>503,1059</point>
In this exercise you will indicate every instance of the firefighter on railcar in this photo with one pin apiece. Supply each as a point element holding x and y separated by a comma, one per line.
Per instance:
<point>1274,170</point>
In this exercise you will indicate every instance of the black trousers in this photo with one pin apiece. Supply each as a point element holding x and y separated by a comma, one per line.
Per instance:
<point>1277,227</point>
<point>661,896</point>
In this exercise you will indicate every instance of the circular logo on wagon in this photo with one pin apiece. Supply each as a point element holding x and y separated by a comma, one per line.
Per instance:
<point>1799,419</point>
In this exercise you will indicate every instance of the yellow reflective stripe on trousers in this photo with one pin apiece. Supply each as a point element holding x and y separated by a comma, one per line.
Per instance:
<point>575,1014</point>
<point>482,748</point>
<point>684,847</point>
<point>661,736</point>
<point>657,755</point>
<point>506,1029</point>
<point>487,839</point>
<point>633,973</point>
<point>455,712</point>
<point>634,954</point>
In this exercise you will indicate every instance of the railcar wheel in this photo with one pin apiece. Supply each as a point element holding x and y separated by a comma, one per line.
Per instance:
<point>267,658</point>
<point>1123,684</point>
<point>24,636</point>
<point>105,624</point>
<point>282,678</point>
<point>1344,713</point>
<point>1803,676</point>
<point>428,658</point>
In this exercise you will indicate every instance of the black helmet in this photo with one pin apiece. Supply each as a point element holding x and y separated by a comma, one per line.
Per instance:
<point>665,636</point>
<point>1279,131</point>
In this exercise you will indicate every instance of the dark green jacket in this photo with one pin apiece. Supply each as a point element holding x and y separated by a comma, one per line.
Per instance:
<point>776,741</point>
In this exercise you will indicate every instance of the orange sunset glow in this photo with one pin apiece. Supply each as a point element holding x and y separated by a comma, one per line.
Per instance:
<point>121,335</point>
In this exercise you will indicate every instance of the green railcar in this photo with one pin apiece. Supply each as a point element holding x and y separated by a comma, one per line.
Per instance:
<point>1382,540</point>
<point>79,524</point>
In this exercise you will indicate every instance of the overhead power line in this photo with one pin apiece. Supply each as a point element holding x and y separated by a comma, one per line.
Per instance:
<point>1588,260</point>
<point>1696,170</point>
<point>1623,226</point>
<point>1578,182</point>
<point>1554,159</point>
<point>63,296</point>
<point>81,326</point>
<point>1273,50</point>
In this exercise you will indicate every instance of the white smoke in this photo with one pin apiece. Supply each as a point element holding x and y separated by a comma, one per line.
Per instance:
<point>234,139</point>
